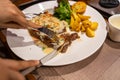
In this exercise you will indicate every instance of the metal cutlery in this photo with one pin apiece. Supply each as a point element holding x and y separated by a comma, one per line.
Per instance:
<point>45,59</point>
<point>42,62</point>
<point>52,35</point>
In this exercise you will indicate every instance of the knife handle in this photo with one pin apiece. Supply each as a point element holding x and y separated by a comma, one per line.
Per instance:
<point>28,70</point>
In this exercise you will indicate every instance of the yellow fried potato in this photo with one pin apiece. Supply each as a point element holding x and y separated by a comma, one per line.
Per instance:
<point>86,23</point>
<point>72,22</point>
<point>75,16</point>
<point>79,7</point>
<point>75,22</point>
<point>83,17</point>
<point>78,28</point>
<point>83,29</point>
<point>94,26</point>
<point>90,33</point>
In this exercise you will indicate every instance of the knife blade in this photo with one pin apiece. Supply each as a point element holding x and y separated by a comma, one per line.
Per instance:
<point>47,31</point>
<point>42,61</point>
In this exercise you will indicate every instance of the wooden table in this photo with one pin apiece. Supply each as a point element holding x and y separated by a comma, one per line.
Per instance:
<point>103,65</point>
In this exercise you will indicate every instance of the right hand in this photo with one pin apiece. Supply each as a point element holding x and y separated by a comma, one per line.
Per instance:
<point>12,17</point>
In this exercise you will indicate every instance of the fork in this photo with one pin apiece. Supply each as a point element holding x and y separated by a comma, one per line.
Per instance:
<point>51,34</point>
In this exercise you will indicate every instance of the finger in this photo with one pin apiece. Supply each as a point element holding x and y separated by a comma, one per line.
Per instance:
<point>19,17</point>
<point>19,65</point>
<point>25,23</point>
<point>20,20</point>
<point>11,25</point>
<point>14,75</point>
<point>17,26</point>
<point>26,64</point>
<point>31,24</point>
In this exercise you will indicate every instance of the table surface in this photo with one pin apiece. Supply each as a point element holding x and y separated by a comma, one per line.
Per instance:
<point>103,65</point>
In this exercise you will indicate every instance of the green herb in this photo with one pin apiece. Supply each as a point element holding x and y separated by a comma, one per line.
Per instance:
<point>43,48</point>
<point>63,11</point>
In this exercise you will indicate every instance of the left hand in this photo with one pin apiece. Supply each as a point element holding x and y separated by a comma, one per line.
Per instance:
<point>9,69</point>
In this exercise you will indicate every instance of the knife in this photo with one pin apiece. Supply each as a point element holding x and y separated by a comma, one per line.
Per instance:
<point>45,59</point>
<point>42,61</point>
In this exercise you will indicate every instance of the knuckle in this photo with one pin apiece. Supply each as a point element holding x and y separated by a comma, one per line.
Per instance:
<point>12,14</point>
<point>12,11</point>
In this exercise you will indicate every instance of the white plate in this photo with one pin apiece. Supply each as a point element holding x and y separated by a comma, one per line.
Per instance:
<point>23,46</point>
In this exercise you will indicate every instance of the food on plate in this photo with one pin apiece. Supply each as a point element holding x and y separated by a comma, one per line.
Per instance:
<point>51,22</point>
<point>79,7</point>
<point>89,28</point>
<point>66,21</point>
<point>75,22</point>
<point>89,32</point>
<point>63,10</point>
<point>74,15</point>
<point>86,23</point>
<point>94,26</point>
<point>42,37</point>
<point>80,22</point>
<point>68,38</point>
<point>83,17</point>
<point>61,29</point>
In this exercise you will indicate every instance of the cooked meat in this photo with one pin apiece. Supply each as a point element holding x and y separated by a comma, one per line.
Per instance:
<point>68,40</point>
<point>43,38</point>
<point>65,47</point>
<point>74,36</point>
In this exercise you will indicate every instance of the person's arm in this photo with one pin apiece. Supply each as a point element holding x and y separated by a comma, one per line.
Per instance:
<point>12,17</point>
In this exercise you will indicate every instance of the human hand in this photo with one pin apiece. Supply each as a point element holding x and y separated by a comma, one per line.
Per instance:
<point>12,17</point>
<point>9,69</point>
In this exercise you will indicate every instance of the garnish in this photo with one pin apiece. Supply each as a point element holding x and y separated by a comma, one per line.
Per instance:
<point>63,11</point>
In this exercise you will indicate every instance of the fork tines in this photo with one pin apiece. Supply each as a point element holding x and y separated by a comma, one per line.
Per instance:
<point>50,33</point>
